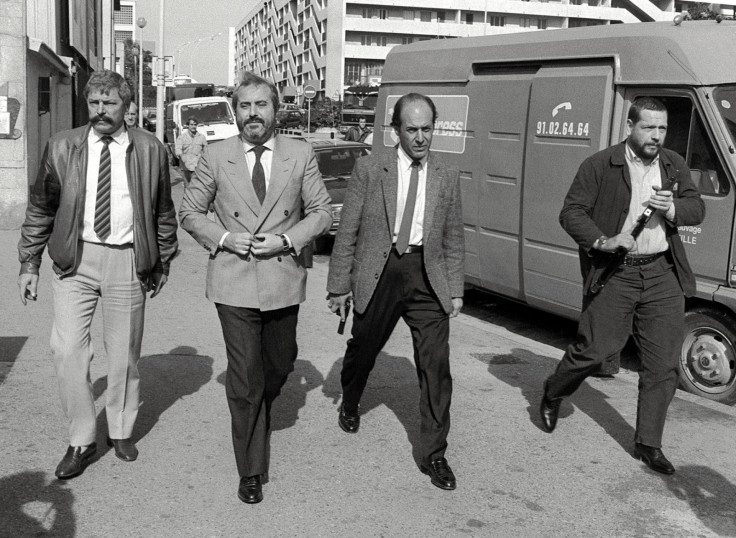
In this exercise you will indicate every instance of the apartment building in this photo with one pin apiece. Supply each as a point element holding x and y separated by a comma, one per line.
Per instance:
<point>335,44</point>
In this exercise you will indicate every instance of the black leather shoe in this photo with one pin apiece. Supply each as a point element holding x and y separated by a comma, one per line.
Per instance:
<point>74,461</point>
<point>124,449</point>
<point>440,473</point>
<point>250,490</point>
<point>549,409</point>
<point>654,458</point>
<point>349,421</point>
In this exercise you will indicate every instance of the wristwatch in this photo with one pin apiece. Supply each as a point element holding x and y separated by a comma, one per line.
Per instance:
<point>287,248</point>
<point>600,242</point>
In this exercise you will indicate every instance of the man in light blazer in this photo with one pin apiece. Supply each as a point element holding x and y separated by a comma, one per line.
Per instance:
<point>269,203</point>
<point>400,252</point>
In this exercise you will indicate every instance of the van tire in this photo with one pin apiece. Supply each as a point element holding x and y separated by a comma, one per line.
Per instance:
<point>707,363</point>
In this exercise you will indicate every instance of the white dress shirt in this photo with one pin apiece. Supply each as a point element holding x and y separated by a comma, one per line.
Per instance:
<point>121,205</point>
<point>266,158</point>
<point>417,225</point>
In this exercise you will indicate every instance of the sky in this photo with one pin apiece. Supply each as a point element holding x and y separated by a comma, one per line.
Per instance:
<point>189,20</point>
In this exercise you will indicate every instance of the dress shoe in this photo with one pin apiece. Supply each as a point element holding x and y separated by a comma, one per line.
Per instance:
<point>654,458</point>
<point>349,421</point>
<point>440,473</point>
<point>124,449</point>
<point>250,490</point>
<point>74,461</point>
<point>549,409</point>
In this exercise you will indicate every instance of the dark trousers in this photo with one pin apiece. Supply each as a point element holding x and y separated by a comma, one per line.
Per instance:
<point>403,291</point>
<point>646,302</point>
<point>261,350</point>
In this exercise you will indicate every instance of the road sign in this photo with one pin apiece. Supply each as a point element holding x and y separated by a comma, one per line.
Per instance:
<point>310,92</point>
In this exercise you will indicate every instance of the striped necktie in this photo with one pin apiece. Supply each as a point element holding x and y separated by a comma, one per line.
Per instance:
<point>104,185</point>
<point>402,240</point>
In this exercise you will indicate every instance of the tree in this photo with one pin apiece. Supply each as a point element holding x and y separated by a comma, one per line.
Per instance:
<point>131,70</point>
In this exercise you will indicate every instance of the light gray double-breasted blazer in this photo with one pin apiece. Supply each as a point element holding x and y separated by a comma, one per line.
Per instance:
<point>364,238</point>
<point>296,204</point>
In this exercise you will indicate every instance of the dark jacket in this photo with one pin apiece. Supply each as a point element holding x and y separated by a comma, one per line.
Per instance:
<point>598,203</point>
<point>55,211</point>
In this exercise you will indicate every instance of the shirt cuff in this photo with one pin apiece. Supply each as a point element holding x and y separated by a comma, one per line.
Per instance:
<point>291,246</point>
<point>222,240</point>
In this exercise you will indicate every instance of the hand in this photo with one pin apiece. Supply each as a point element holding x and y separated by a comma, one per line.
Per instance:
<point>267,245</point>
<point>28,285</point>
<point>457,306</point>
<point>661,199</point>
<point>338,303</point>
<point>238,243</point>
<point>622,240</point>
<point>159,280</point>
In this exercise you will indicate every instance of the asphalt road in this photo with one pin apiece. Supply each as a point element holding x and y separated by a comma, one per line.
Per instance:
<point>513,479</point>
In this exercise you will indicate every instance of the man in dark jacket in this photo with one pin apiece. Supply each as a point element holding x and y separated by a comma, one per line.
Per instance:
<point>645,297</point>
<point>102,203</point>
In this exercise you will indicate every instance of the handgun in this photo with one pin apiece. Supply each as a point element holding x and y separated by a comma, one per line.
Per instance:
<point>341,325</point>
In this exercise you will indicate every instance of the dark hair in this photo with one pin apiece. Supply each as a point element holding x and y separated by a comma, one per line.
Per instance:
<point>645,103</point>
<point>105,81</point>
<point>192,118</point>
<point>251,79</point>
<point>407,100</point>
<point>361,118</point>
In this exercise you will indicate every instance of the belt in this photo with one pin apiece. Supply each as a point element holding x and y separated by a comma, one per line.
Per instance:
<point>636,261</point>
<point>412,249</point>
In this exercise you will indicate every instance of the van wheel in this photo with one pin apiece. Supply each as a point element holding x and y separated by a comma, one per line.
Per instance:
<point>708,358</point>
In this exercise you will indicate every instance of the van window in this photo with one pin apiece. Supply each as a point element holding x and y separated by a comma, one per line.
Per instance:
<point>207,113</point>
<point>687,135</point>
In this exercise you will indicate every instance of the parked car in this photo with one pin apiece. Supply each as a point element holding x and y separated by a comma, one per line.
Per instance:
<point>336,159</point>
<point>289,119</point>
<point>149,122</point>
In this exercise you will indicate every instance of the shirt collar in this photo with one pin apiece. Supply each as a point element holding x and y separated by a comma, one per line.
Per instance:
<point>120,138</point>
<point>631,156</point>
<point>405,161</point>
<point>270,143</point>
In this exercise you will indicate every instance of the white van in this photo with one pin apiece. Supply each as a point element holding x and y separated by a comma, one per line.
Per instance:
<point>214,115</point>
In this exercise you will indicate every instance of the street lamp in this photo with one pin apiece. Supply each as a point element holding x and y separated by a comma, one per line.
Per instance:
<point>180,49</point>
<point>141,22</point>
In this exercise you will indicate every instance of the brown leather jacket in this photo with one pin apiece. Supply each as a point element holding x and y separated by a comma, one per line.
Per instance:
<point>55,209</point>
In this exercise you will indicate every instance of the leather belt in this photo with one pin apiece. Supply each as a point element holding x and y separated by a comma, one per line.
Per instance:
<point>412,249</point>
<point>636,261</point>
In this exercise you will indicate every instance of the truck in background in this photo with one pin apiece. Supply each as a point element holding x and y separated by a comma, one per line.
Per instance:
<point>214,115</point>
<point>518,113</point>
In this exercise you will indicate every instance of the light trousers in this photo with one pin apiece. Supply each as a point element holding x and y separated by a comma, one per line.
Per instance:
<point>106,274</point>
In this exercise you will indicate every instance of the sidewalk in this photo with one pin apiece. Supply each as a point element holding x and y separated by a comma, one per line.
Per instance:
<point>513,479</point>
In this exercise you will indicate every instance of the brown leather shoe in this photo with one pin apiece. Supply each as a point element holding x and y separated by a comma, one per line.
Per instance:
<point>124,449</point>
<point>349,421</point>
<point>440,473</point>
<point>250,490</point>
<point>654,458</point>
<point>74,461</point>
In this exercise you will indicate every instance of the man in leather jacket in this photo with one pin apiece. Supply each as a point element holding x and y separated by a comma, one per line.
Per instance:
<point>102,203</point>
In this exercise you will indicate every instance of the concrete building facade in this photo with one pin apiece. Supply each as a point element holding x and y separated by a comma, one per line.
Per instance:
<point>335,44</point>
<point>48,49</point>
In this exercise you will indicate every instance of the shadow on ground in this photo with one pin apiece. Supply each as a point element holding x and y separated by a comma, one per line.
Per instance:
<point>33,507</point>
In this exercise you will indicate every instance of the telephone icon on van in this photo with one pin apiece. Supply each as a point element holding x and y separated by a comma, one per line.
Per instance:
<point>566,106</point>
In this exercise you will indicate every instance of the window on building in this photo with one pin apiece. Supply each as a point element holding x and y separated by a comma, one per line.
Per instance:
<point>44,95</point>
<point>408,14</point>
<point>468,18</point>
<point>425,16</point>
<point>124,16</point>
<point>525,22</point>
<point>542,24</point>
<point>440,16</point>
<point>497,20</point>
<point>407,39</point>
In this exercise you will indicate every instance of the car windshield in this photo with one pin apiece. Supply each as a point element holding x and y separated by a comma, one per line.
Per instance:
<point>207,113</point>
<point>339,162</point>
<point>725,99</point>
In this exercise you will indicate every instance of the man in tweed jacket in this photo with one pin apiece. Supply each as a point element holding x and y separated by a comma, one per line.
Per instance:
<point>396,267</point>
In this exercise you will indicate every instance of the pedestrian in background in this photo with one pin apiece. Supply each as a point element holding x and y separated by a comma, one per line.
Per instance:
<point>358,133</point>
<point>102,203</point>
<point>645,297</point>
<point>131,115</point>
<point>399,251</point>
<point>189,147</point>
<point>269,203</point>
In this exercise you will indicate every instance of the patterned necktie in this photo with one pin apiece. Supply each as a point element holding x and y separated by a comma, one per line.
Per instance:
<point>104,185</point>
<point>259,176</point>
<point>402,241</point>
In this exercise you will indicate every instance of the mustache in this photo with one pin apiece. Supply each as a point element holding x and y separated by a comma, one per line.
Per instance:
<point>102,119</point>
<point>254,119</point>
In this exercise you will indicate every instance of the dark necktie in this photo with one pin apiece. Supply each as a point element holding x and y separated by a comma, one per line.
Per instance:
<point>104,185</point>
<point>259,176</point>
<point>402,241</point>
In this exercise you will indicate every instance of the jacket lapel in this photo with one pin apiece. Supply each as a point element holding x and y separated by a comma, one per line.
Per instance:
<point>390,186</point>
